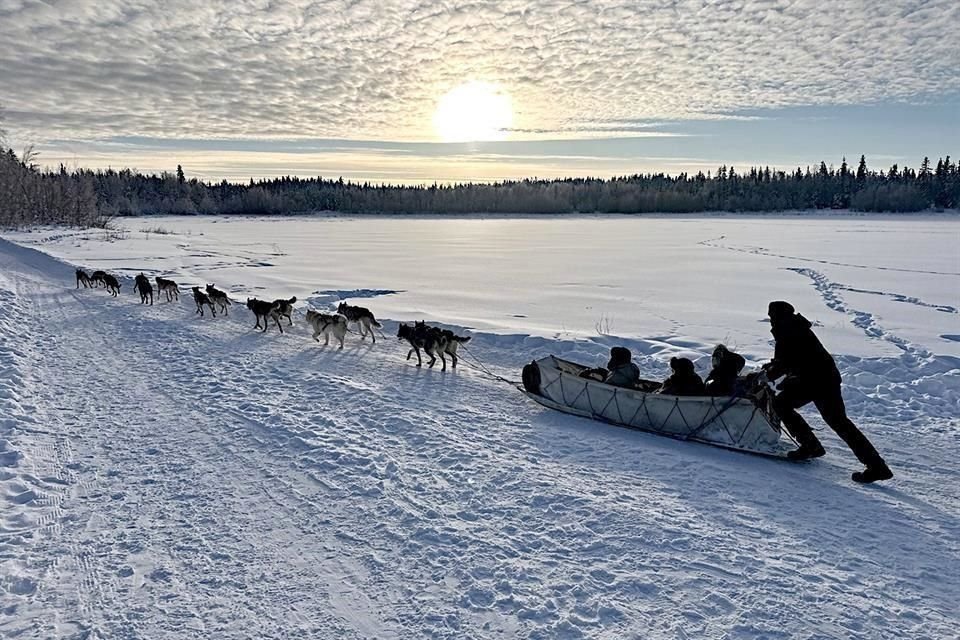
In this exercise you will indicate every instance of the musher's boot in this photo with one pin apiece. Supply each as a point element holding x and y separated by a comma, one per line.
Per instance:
<point>806,452</point>
<point>878,471</point>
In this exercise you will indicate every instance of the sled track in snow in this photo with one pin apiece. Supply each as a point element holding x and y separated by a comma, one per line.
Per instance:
<point>864,320</point>
<point>916,373</point>
<point>763,251</point>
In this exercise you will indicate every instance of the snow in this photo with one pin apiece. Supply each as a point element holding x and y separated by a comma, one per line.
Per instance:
<point>171,476</point>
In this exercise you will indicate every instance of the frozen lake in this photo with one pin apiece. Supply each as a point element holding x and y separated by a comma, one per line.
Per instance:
<point>700,280</point>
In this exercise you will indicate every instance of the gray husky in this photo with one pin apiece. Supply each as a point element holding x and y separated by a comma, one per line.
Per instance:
<point>168,287</point>
<point>326,324</point>
<point>202,300</point>
<point>97,278</point>
<point>362,316</point>
<point>219,298</point>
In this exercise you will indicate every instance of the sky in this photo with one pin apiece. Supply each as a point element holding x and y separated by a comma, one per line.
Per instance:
<point>259,88</point>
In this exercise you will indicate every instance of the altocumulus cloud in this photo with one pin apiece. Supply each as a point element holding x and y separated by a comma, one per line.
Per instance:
<point>374,69</point>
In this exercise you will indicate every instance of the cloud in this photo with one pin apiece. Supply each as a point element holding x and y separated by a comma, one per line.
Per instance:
<point>374,69</point>
<point>272,87</point>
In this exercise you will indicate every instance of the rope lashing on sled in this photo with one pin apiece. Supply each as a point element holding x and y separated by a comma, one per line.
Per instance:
<point>681,425</point>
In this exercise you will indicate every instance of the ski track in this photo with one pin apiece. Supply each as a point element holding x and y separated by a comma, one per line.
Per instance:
<point>171,476</point>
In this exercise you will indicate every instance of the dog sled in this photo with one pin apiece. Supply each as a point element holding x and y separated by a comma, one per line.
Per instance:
<point>741,423</point>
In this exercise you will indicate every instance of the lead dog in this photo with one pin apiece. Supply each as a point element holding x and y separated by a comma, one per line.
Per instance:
<point>362,316</point>
<point>219,297</point>
<point>324,323</point>
<point>202,299</point>
<point>143,286</point>
<point>168,287</point>
<point>265,310</point>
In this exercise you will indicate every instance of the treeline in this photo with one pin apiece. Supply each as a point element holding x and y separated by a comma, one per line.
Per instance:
<point>29,195</point>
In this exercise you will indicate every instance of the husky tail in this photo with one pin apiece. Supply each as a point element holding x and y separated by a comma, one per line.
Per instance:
<point>462,340</point>
<point>375,322</point>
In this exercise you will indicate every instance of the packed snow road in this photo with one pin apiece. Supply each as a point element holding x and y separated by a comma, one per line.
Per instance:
<point>170,476</point>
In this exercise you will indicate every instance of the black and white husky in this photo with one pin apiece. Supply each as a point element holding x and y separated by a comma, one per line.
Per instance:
<point>362,316</point>
<point>452,343</point>
<point>285,308</point>
<point>327,323</point>
<point>420,336</point>
<point>219,298</point>
<point>264,310</point>
<point>202,300</point>
<point>168,287</point>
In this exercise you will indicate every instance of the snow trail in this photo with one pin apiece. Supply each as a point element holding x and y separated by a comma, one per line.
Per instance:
<point>171,476</point>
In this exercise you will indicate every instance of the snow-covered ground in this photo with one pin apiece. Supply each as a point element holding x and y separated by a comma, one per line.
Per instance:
<point>171,476</point>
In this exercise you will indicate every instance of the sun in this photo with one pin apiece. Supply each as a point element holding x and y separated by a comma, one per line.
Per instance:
<point>474,111</point>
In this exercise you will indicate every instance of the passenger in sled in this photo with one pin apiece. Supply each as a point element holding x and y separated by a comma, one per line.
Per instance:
<point>722,379</point>
<point>684,380</point>
<point>619,372</point>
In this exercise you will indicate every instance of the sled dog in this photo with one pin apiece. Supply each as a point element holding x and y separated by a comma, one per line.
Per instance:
<point>202,299</point>
<point>219,298</point>
<point>420,336</point>
<point>265,310</point>
<point>169,287</point>
<point>144,288</point>
<point>324,323</point>
<point>111,283</point>
<point>84,279</point>
<point>452,343</point>
<point>285,308</point>
<point>362,317</point>
<point>97,278</point>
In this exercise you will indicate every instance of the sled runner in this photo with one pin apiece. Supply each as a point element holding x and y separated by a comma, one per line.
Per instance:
<point>745,424</point>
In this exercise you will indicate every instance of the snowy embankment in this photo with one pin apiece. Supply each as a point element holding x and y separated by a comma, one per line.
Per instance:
<point>170,476</point>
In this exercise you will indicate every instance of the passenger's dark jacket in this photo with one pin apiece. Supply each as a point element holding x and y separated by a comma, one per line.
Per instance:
<point>798,352</point>
<point>684,381</point>
<point>723,377</point>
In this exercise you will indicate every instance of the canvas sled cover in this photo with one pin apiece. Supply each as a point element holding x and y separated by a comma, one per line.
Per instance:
<point>740,423</point>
